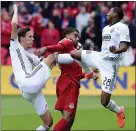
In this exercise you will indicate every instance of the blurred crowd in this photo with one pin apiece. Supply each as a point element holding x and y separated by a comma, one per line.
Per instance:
<point>48,20</point>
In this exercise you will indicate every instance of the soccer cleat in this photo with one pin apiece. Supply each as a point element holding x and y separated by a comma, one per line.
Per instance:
<point>95,70</point>
<point>95,77</point>
<point>92,75</point>
<point>121,117</point>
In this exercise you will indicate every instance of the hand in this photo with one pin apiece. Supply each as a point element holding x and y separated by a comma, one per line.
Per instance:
<point>40,52</point>
<point>15,7</point>
<point>112,49</point>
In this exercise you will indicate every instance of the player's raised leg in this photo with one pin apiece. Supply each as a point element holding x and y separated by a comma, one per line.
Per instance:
<point>76,54</point>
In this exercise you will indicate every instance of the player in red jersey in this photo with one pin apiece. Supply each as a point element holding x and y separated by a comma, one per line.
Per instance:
<point>68,84</point>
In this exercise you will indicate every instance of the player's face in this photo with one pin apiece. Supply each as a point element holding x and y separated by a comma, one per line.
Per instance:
<point>29,39</point>
<point>74,36</point>
<point>110,15</point>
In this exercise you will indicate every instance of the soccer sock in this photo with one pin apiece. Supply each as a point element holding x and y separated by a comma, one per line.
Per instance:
<point>113,106</point>
<point>42,128</point>
<point>64,59</point>
<point>62,125</point>
<point>84,66</point>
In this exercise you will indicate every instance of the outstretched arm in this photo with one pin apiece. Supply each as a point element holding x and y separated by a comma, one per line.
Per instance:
<point>52,48</point>
<point>14,22</point>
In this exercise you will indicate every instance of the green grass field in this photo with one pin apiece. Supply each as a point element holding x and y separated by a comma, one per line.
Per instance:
<point>18,114</point>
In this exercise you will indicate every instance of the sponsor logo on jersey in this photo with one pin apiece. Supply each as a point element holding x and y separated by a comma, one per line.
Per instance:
<point>106,37</point>
<point>88,52</point>
<point>112,30</point>
<point>71,106</point>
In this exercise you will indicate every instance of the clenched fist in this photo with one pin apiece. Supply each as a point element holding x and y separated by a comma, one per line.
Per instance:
<point>15,7</point>
<point>40,52</point>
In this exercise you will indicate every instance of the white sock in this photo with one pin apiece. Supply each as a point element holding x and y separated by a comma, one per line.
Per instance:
<point>42,128</point>
<point>64,59</point>
<point>84,66</point>
<point>113,106</point>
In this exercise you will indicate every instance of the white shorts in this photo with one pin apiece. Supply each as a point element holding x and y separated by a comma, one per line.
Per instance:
<point>38,102</point>
<point>34,82</point>
<point>108,70</point>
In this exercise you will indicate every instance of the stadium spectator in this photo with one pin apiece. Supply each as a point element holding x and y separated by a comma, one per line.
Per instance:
<point>56,16</point>
<point>38,23</point>
<point>67,20</point>
<point>36,16</point>
<point>5,28</point>
<point>82,18</point>
<point>88,31</point>
<point>50,35</point>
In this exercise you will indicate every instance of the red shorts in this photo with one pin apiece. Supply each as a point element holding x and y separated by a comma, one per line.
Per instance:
<point>67,93</point>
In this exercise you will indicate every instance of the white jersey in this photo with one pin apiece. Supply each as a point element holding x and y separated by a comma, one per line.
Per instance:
<point>112,36</point>
<point>22,61</point>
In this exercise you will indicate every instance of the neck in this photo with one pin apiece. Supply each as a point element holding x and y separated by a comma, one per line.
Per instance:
<point>113,22</point>
<point>23,45</point>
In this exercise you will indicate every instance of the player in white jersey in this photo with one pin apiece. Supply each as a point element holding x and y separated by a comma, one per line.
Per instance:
<point>115,41</point>
<point>29,80</point>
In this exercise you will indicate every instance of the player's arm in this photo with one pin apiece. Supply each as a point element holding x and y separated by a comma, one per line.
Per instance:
<point>124,41</point>
<point>14,22</point>
<point>62,46</point>
<point>123,48</point>
<point>53,48</point>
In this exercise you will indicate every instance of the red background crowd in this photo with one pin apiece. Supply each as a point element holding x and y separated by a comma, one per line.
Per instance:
<point>48,20</point>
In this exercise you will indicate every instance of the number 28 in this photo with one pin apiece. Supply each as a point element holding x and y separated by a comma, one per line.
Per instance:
<point>107,82</point>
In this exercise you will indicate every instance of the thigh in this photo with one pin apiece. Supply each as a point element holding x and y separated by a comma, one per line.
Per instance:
<point>68,98</point>
<point>38,101</point>
<point>71,97</point>
<point>34,82</point>
<point>108,73</point>
<point>90,58</point>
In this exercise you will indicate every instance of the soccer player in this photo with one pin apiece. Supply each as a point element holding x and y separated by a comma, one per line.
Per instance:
<point>68,84</point>
<point>30,81</point>
<point>115,41</point>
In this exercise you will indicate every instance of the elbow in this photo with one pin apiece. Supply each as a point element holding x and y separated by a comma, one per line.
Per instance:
<point>125,49</point>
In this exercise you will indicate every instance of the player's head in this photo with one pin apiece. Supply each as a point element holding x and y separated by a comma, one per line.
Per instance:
<point>115,13</point>
<point>25,37</point>
<point>72,34</point>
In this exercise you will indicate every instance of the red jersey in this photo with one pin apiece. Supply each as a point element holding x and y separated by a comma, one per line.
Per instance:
<point>71,70</point>
<point>74,71</point>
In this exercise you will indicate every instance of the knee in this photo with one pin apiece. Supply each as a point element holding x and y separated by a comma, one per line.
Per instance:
<point>69,117</point>
<point>104,102</point>
<point>76,54</point>
<point>72,53</point>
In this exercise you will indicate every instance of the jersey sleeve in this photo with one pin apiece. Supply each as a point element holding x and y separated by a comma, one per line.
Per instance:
<point>33,59</point>
<point>67,44</point>
<point>124,34</point>
<point>14,43</point>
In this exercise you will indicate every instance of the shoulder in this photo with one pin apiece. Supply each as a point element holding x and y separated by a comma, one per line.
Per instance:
<point>14,41</point>
<point>105,28</point>
<point>121,26</point>
<point>65,41</point>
